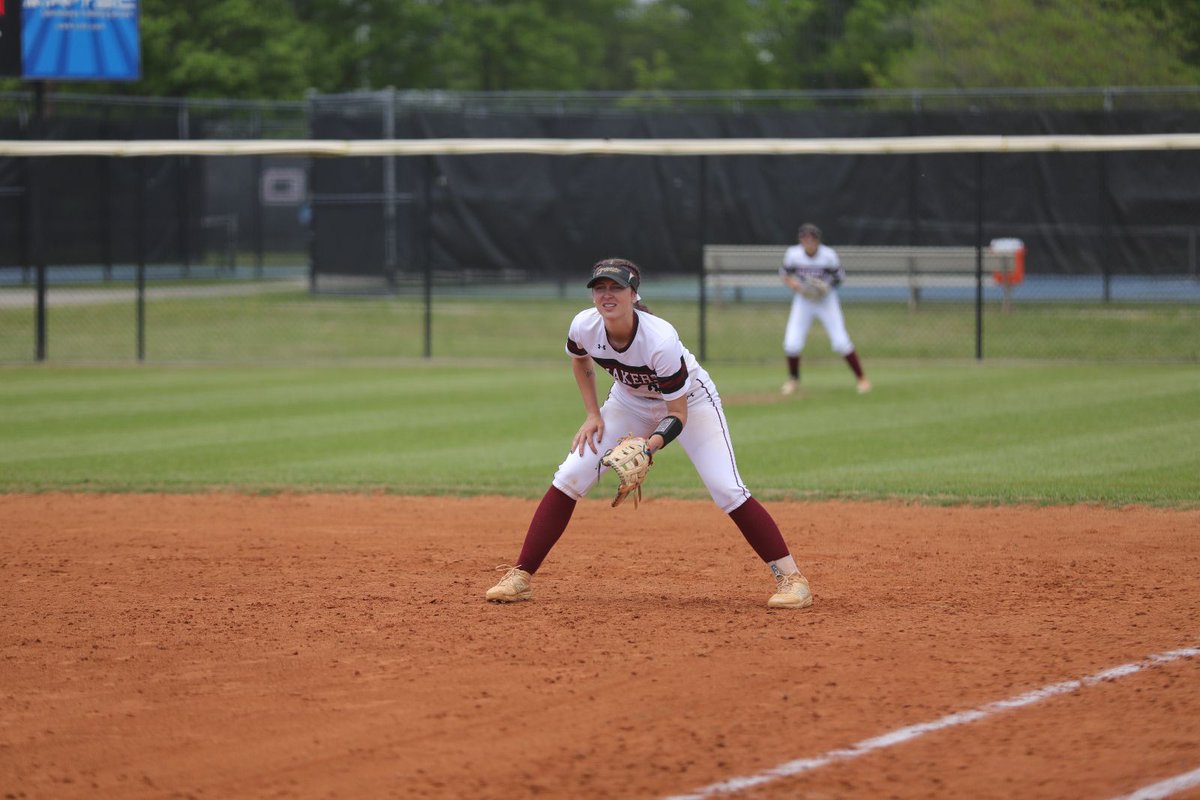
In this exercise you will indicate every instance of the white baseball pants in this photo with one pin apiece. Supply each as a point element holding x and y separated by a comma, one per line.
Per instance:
<point>705,439</point>
<point>829,311</point>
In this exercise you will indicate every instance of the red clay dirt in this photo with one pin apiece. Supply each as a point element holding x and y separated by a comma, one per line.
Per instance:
<point>227,645</point>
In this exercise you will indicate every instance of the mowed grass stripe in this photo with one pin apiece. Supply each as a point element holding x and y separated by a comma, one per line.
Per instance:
<point>194,396</point>
<point>988,411</point>
<point>1087,454</point>
<point>1028,433</point>
<point>95,389</point>
<point>249,410</point>
<point>357,428</point>
<point>1003,433</point>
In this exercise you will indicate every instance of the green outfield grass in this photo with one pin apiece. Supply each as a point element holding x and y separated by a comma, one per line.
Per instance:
<point>948,432</point>
<point>1086,331</point>
<point>293,327</point>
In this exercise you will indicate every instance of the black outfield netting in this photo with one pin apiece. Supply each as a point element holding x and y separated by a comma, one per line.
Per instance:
<point>1078,213</point>
<point>547,216</point>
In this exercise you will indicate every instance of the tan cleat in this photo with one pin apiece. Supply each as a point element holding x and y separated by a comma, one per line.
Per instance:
<point>789,387</point>
<point>864,386</point>
<point>514,586</point>
<point>791,592</point>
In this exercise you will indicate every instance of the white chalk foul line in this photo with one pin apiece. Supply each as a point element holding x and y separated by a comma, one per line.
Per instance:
<point>907,734</point>
<point>1162,789</point>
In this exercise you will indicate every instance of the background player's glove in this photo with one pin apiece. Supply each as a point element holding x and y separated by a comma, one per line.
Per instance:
<point>630,460</point>
<point>812,287</point>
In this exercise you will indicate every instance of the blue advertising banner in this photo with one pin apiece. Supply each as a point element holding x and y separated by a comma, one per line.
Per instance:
<point>80,40</point>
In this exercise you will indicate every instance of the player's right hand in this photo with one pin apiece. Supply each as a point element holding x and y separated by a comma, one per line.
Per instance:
<point>590,433</point>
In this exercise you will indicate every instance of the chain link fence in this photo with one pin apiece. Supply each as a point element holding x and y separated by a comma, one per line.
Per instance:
<point>278,320</point>
<point>192,259</point>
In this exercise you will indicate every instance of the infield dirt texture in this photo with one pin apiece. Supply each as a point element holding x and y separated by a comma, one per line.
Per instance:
<point>229,645</point>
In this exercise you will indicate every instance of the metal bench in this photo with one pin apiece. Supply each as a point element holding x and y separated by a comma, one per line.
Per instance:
<point>737,266</point>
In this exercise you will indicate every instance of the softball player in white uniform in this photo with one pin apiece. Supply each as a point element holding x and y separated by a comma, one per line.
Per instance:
<point>813,259</point>
<point>659,392</point>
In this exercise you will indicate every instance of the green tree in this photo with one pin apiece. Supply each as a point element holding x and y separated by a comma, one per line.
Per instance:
<point>691,44</point>
<point>371,44</point>
<point>278,49</point>
<point>223,48</point>
<point>466,45</point>
<point>1040,43</point>
<point>511,45</point>
<point>1183,15</point>
<point>214,48</point>
<point>874,33</point>
<point>831,44</point>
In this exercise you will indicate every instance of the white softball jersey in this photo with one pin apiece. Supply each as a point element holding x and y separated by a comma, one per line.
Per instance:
<point>826,265</point>
<point>823,264</point>
<point>653,368</point>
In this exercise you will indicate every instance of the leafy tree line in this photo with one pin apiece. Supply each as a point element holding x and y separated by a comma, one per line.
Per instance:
<point>279,49</point>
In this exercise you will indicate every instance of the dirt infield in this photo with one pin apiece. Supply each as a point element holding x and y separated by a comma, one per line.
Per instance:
<point>218,646</point>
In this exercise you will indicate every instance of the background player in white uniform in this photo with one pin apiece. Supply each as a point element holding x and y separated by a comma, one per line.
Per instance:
<point>659,392</point>
<point>814,259</point>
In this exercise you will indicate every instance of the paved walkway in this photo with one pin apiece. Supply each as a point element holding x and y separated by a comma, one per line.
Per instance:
<point>57,296</point>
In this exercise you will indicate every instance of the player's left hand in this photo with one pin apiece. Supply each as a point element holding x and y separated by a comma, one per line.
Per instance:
<point>812,287</point>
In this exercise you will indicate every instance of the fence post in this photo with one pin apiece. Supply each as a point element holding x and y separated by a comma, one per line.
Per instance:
<point>979,256</point>
<point>703,238</point>
<point>427,175</point>
<point>183,185</point>
<point>1105,249</point>
<point>105,200</point>
<point>310,233</point>
<point>390,226</point>
<point>35,209</point>
<point>141,259</point>
<point>257,162</point>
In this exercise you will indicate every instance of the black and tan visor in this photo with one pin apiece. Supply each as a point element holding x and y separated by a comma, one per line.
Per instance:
<point>614,272</point>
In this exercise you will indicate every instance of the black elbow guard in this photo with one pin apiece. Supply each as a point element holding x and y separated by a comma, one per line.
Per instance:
<point>669,428</point>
